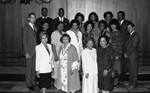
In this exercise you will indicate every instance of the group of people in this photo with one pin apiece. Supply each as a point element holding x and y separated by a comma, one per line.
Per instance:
<point>101,51</point>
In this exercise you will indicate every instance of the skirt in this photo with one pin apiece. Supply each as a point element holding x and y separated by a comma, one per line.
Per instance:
<point>45,80</point>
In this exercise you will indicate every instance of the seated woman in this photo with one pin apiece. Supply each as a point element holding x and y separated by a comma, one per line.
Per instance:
<point>68,57</point>
<point>89,66</point>
<point>105,60</point>
<point>44,62</point>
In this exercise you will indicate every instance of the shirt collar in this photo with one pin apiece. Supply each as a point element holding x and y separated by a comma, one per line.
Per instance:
<point>132,32</point>
<point>61,18</point>
<point>121,21</point>
<point>31,25</point>
<point>44,17</point>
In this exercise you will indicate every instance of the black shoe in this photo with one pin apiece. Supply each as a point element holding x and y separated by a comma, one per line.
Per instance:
<point>31,87</point>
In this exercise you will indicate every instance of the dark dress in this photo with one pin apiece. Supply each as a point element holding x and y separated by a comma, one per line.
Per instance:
<point>105,59</point>
<point>116,42</point>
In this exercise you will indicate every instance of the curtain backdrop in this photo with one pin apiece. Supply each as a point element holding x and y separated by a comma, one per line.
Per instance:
<point>14,17</point>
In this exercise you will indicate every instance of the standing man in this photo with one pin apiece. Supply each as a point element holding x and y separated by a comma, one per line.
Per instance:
<point>29,43</point>
<point>40,21</point>
<point>125,35</point>
<point>131,54</point>
<point>62,19</point>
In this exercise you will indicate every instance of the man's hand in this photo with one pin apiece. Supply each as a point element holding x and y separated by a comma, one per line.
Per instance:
<point>125,55</point>
<point>105,72</point>
<point>27,56</point>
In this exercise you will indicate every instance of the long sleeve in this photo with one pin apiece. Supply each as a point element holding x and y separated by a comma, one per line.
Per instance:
<point>38,56</point>
<point>84,63</point>
<point>24,39</point>
<point>135,43</point>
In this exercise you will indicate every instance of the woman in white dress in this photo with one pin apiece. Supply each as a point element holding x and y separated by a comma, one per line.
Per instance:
<point>76,36</point>
<point>55,41</point>
<point>89,67</point>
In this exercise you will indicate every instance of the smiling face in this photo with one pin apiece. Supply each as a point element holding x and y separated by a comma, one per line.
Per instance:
<point>89,28</point>
<point>113,27</point>
<point>32,19</point>
<point>103,42</point>
<point>108,17</point>
<point>75,26</point>
<point>60,27</point>
<point>130,28</point>
<point>44,39</point>
<point>89,44</point>
<point>65,40</point>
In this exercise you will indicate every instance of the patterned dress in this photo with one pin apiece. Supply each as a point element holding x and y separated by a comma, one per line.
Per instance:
<point>116,41</point>
<point>85,37</point>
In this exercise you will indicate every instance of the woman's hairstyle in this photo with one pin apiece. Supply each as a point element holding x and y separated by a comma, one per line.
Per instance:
<point>103,22</point>
<point>79,14</point>
<point>87,23</point>
<point>106,38</point>
<point>106,13</point>
<point>90,39</point>
<point>56,25</point>
<point>65,35</point>
<point>74,21</point>
<point>114,22</point>
<point>93,13</point>
<point>42,34</point>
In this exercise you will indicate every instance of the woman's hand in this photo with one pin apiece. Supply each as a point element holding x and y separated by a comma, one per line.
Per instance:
<point>105,72</point>
<point>38,74</point>
<point>71,72</point>
<point>87,75</point>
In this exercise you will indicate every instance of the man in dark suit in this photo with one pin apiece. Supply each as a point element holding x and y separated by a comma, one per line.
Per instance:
<point>29,43</point>
<point>40,21</point>
<point>62,19</point>
<point>125,35</point>
<point>131,54</point>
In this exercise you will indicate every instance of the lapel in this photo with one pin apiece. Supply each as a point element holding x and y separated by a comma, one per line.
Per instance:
<point>31,30</point>
<point>44,50</point>
<point>130,37</point>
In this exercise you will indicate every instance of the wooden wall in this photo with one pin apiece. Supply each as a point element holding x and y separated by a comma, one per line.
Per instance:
<point>14,17</point>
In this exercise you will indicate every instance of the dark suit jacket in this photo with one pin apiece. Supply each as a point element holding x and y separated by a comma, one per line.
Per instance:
<point>39,22</point>
<point>66,23</point>
<point>29,40</point>
<point>132,45</point>
<point>123,29</point>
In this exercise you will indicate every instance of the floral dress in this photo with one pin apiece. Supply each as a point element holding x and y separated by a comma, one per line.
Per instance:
<point>63,64</point>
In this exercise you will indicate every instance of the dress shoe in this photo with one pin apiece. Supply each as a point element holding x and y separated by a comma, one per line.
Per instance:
<point>31,87</point>
<point>131,87</point>
<point>126,83</point>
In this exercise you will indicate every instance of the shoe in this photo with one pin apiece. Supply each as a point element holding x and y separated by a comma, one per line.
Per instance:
<point>31,87</point>
<point>126,83</point>
<point>131,87</point>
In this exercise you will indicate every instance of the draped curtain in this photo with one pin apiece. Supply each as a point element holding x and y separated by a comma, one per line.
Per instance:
<point>14,17</point>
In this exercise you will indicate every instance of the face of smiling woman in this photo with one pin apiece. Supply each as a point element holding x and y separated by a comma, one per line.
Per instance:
<point>103,42</point>
<point>65,40</point>
<point>89,44</point>
<point>44,39</point>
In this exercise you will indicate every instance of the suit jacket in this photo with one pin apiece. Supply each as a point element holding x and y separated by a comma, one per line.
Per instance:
<point>132,45</point>
<point>29,40</point>
<point>66,23</point>
<point>123,29</point>
<point>44,60</point>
